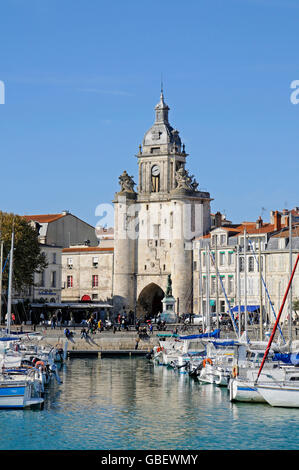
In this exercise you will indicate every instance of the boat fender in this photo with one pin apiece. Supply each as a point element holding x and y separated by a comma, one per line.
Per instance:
<point>40,364</point>
<point>235,371</point>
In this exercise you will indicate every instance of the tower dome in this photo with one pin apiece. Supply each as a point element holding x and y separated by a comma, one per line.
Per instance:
<point>161,133</point>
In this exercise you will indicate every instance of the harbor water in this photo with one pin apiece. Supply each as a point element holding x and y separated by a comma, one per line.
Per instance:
<point>131,404</point>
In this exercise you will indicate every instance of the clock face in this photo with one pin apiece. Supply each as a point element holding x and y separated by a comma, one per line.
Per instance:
<point>155,170</point>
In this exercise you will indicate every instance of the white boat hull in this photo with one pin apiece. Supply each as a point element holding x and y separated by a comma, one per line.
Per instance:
<point>207,375</point>
<point>17,395</point>
<point>244,391</point>
<point>280,395</point>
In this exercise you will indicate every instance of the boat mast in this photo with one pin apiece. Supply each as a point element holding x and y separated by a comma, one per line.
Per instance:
<point>10,283</point>
<point>291,292</point>
<point>239,289</point>
<point>261,292</point>
<point>245,280</point>
<point>1,267</point>
<point>200,282</point>
<point>208,289</point>
<point>277,319</point>
<point>216,268</point>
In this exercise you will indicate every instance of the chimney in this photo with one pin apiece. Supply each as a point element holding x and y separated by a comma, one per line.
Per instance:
<point>218,219</point>
<point>259,222</point>
<point>277,220</point>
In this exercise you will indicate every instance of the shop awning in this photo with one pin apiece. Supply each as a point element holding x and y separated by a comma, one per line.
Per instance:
<point>250,308</point>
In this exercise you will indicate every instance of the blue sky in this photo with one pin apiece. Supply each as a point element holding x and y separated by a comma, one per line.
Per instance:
<point>82,78</point>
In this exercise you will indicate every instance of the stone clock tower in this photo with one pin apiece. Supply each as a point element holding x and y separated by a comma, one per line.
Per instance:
<point>155,225</point>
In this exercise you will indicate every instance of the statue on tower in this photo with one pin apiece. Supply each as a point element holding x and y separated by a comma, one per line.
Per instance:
<point>185,181</point>
<point>126,182</point>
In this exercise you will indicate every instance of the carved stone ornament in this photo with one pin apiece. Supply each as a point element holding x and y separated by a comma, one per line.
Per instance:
<point>185,181</point>
<point>126,182</point>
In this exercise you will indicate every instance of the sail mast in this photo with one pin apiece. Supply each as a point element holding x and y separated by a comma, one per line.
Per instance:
<point>291,293</point>
<point>1,268</point>
<point>277,319</point>
<point>10,283</point>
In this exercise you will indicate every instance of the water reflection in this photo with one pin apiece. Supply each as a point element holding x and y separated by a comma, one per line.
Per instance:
<point>128,403</point>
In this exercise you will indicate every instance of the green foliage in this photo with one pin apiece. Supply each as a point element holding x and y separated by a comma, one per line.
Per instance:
<point>27,258</point>
<point>296,304</point>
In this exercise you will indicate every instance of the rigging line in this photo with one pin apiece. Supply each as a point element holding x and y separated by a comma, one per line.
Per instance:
<point>5,262</point>
<point>226,298</point>
<point>277,320</point>
<point>266,290</point>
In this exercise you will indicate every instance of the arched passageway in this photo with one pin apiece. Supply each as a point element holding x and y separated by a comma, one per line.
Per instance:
<point>149,302</point>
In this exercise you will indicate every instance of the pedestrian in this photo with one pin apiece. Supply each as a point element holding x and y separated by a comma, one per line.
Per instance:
<point>151,328</point>
<point>59,317</point>
<point>84,333</point>
<point>68,333</point>
<point>13,318</point>
<point>137,342</point>
<point>53,322</point>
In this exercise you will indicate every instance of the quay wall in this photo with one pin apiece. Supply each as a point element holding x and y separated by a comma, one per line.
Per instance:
<point>106,341</point>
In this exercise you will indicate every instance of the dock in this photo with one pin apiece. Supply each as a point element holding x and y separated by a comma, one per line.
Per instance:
<point>107,353</point>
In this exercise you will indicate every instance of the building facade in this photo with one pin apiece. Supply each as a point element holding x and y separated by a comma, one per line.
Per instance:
<point>226,275</point>
<point>56,231</point>
<point>87,273</point>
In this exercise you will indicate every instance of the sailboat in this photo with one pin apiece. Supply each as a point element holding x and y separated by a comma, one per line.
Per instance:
<point>17,390</point>
<point>276,391</point>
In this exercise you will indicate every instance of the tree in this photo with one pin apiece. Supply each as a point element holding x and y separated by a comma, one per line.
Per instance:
<point>27,257</point>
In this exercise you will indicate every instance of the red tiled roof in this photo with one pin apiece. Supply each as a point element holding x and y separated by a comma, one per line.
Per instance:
<point>86,249</point>
<point>44,218</point>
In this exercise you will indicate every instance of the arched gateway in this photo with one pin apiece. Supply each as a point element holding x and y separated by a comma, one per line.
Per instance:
<point>149,302</point>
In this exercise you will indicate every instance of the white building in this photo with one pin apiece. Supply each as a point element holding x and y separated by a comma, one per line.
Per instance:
<point>56,231</point>
<point>87,273</point>
<point>223,277</point>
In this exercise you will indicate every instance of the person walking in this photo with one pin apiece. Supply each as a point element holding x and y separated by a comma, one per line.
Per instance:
<point>137,342</point>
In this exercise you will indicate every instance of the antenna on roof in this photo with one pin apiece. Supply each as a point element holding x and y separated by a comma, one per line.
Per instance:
<point>263,210</point>
<point>161,83</point>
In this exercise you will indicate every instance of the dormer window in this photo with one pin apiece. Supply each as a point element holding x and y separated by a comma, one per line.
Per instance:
<point>222,239</point>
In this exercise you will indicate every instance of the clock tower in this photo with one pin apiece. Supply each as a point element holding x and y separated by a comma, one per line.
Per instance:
<point>155,225</point>
<point>160,156</point>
